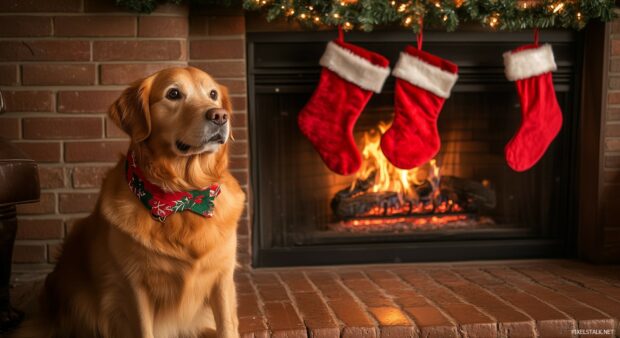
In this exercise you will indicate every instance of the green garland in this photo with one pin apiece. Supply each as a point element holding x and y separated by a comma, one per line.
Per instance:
<point>445,14</point>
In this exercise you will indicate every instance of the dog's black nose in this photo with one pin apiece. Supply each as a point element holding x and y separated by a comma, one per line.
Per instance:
<point>218,116</point>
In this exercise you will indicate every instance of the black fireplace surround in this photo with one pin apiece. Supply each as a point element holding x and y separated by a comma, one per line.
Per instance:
<point>294,221</point>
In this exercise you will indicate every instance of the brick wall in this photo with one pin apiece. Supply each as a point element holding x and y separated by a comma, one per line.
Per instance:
<point>63,62</point>
<point>611,152</point>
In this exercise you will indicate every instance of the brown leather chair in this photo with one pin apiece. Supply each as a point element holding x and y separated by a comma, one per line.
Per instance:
<point>19,183</point>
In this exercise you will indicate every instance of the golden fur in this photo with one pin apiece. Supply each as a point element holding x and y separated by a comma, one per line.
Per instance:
<point>122,274</point>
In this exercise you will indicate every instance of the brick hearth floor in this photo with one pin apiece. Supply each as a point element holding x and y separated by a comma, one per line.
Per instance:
<point>547,298</point>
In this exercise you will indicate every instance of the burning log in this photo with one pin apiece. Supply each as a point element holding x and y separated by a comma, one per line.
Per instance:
<point>475,193</point>
<point>454,195</point>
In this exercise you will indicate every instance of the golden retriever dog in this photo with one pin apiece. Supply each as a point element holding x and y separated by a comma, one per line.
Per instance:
<point>124,273</point>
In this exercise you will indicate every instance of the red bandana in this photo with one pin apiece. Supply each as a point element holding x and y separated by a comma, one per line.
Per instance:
<point>162,204</point>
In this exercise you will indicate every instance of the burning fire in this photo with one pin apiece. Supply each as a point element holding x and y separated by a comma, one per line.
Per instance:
<point>387,177</point>
<point>385,198</point>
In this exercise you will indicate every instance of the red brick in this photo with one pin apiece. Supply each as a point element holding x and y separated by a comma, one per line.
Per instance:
<point>239,120</point>
<point>46,205</point>
<point>253,327</point>
<point>51,177</point>
<point>352,315</point>
<point>283,320</point>
<point>162,26</point>
<point>612,130</point>
<point>28,101</point>
<point>221,68</point>
<point>578,311</point>
<point>239,148</point>
<point>122,74</point>
<point>265,278</point>
<point>316,315</point>
<point>113,131</point>
<point>615,47</point>
<point>76,202</point>
<point>431,322</point>
<point>62,128</point>
<point>240,134</point>
<point>135,50</point>
<point>8,75</point>
<point>226,25</point>
<point>96,26</point>
<point>613,97</point>
<point>89,177</point>
<point>234,86</point>
<point>27,26</point>
<point>613,114</point>
<point>614,65</point>
<point>238,103</point>
<point>53,252</point>
<point>95,151</point>
<point>248,306</point>
<point>296,281</point>
<point>9,128</point>
<point>40,229</point>
<point>57,74</point>
<point>272,292</point>
<point>392,321</point>
<point>238,163</point>
<point>612,144</point>
<point>216,49</point>
<point>471,320</point>
<point>29,253</point>
<point>41,151</point>
<point>56,6</point>
<point>86,101</point>
<point>45,50</point>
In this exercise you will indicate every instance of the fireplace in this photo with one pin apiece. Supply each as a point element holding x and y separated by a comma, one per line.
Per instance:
<point>466,203</point>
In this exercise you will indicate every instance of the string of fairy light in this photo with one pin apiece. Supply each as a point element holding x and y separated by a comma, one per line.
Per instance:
<point>448,14</point>
<point>496,14</point>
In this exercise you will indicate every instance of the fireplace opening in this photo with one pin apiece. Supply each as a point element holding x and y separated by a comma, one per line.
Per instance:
<point>466,203</point>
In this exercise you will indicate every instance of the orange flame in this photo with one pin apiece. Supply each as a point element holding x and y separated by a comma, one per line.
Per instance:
<point>387,176</point>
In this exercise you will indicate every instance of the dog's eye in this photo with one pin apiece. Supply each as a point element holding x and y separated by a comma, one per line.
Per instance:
<point>173,94</point>
<point>213,95</point>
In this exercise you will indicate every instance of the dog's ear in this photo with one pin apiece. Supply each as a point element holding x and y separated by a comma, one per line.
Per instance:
<point>227,104</point>
<point>131,112</point>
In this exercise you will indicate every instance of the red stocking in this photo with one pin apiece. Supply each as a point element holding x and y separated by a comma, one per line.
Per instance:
<point>531,66</point>
<point>423,83</point>
<point>350,74</point>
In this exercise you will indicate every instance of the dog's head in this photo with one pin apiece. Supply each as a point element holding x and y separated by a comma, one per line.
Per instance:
<point>181,110</point>
<point>176,117</point>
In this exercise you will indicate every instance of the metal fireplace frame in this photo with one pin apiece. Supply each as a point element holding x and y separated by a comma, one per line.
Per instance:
<point>564,245</point>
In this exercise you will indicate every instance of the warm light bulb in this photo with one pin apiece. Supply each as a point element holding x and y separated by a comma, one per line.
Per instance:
<point>408,20</point>
<point>347,25</point>
<point>558,7</point>
<point>402,8</point>
<point>317,19</point>
<point>437,4</point>
<point>336,15</point>
<point>303,15</point>
<point>393,3</point>
<point>445,18</point>
<point>578,15</point>
<point>310,8</point>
